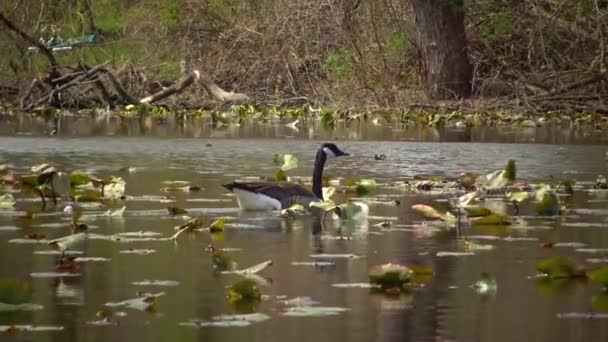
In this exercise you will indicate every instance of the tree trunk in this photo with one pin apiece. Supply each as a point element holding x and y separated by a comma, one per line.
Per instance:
<point>442,46</point>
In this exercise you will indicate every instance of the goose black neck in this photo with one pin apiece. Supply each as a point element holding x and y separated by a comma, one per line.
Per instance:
<point>317,175</point>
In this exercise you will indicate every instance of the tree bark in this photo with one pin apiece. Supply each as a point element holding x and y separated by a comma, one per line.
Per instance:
<point>442,46</point>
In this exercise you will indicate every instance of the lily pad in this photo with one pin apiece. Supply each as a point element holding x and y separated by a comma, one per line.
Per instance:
<point>390,275</point>
<point>558,267</point>
<point>599,275</point>
<point>286,161</point>
<point>244,290</point>
<point>7,201</point>
<point>492,219</point>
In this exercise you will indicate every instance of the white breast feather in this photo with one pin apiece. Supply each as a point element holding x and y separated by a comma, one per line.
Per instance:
<point>255,201</point>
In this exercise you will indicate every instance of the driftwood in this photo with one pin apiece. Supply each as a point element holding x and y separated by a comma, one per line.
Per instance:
<point>219,93</point>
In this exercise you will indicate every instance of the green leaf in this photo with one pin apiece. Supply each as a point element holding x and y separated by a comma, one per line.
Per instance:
<point>325,205</point>
<point>286,161</point>
<point>519,196</point>
<point>78,179</point>
<point>390,275</point>
<point>328,192</point>
<point>7,201</point>
<point>492,219</point>
<point>244,290</point>
<point>14,292</point>
<point>365,187</point>
<point>548,202</point>
<point>558,267</point>
<point>510,171</point>
<point>477,211</point>
<point>280,176</point>
<point>218,225</point>
<point>599,275</point>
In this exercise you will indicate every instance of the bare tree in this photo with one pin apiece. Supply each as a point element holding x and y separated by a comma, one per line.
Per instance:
<point>442,47</point>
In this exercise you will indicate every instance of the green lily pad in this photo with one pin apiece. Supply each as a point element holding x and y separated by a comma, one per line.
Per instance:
<point>7,201</point>
<point>14,292</point>
<point>218,225</point>
<point>78,179</point>
<point>519,196</point>
<point>365,187</point>
<point>477,211</point>
<point>492,219</point>
<point>286,161</point>
<point>390,275</point>
<point>548,202</point>
<point>599,275</point>
<point>244,290</point>
<point>558,267</point>
<point>510,171</point>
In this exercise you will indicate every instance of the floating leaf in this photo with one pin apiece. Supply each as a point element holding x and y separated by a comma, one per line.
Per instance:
<point>390,275</point>
<point>5,307</point>
<point>7,201</point>
<point>218,225</point>
<point>244,290</point>
<point>280,176</point>
<point>599,275</point>
<point>222,262</point>
<point>293,211</point>
<point>426,211</point>
<point>548,202</point>
<point>492,219</point>
<point>558,267</point>
<point>510,171</point>
<point>519,196</point>
<point>328,192</point>
<point>365,187</point>
<point>14,292</point>
<point>115,188</point>
<point>325,205</point>
<point>285,161</point>
<point>477,211</point>
<point>78,179</point>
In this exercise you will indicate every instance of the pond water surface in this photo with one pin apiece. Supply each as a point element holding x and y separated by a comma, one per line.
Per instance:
<point>446,308</point>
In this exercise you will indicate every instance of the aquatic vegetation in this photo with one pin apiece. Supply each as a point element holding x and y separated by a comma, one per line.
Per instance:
<point>558,268</point>
<point>389,276</point>
<point>599,275</point>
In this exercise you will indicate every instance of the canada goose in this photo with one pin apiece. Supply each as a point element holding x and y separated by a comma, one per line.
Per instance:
<point>282,195</point>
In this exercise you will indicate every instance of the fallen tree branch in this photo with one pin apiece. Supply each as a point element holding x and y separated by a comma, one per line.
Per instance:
<point>178,87</point>
<point>219,93</point>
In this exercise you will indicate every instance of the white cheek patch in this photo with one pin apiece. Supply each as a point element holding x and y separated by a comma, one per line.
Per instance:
<point>329,153</point>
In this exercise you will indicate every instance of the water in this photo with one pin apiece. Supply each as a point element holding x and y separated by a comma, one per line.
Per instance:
<point>447,308</point>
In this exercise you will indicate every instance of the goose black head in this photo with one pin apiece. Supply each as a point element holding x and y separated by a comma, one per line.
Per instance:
<point>332,151</point>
